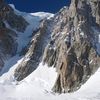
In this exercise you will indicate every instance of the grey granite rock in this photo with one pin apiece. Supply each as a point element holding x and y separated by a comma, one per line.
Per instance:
<point>69,42</point>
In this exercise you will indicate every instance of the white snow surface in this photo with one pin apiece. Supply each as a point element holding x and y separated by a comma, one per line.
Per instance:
<point>43,15</point>
<point>39,82</point>
<point>38,85</point>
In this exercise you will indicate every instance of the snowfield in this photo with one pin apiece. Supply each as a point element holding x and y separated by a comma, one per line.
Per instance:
<point>38,85</point>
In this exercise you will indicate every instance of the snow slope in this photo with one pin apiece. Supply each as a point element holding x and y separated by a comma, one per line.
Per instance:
<point>34,21</point>
<point>37,86</point>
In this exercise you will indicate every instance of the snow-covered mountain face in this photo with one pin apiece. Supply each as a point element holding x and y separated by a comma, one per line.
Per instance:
<point>8,20</point>
<point>47,52</point>
<point>70,41</point>
<point>16,30</point>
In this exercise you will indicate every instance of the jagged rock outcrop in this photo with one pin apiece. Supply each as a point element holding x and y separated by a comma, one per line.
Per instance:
<point>34,55</point>
<point>73,48</point>
<point>95,7</point>
<point>15,21</point>
<point>8,44</point>
<point>74,51</point>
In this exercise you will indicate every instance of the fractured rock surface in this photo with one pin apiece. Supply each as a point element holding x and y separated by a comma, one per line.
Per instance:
<point>8,44</point>
<point>70,42</point>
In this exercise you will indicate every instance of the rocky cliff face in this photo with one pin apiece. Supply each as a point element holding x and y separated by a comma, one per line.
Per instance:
<point>77,56</point>
<point>35,52</point>
<point>70,41</point>
<point>8,44</point>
